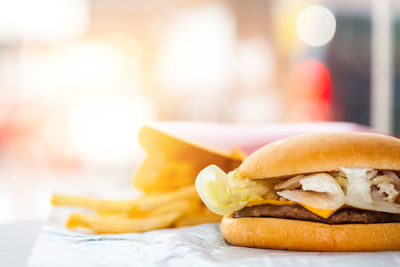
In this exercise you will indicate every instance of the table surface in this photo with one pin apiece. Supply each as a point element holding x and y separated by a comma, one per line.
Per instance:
<point>25,203</point>
<point>16,242</point>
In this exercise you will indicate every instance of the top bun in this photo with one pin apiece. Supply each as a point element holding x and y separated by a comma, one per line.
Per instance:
<point>322,152</point>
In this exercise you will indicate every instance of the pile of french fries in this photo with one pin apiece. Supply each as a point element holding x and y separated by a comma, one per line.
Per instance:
<point>178,208</point>
<point>167,178</point>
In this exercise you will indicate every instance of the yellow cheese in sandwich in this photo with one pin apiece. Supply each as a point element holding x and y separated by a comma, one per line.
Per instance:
<point>320,212</point>
<point>271,202</point>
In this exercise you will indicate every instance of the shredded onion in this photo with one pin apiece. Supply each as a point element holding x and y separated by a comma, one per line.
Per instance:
<point>321,191</point>
<point>291,183</point>
<point>359,191</point>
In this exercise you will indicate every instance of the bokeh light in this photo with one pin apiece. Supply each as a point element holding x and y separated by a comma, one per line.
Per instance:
<point>43,21</point>
<point>316,25</point>
<point>197,52</point>
<point>104,130</point>
<point>310,91</point>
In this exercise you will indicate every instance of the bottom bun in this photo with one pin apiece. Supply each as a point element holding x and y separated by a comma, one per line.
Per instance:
<point>276,233</point>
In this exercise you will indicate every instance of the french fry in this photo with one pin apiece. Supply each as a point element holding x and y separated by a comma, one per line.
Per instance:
<point>173,162</point>
<point>204,217</point>
<point>114,214</point>
<point>181,207</point>
<point>107,224</point>
<point>93,203</point>
<point>185,206</point>
<point>152,201</point>
<point>237,152</point>
<point>145,203</point>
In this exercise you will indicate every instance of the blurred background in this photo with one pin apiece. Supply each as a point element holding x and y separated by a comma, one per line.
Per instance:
<point>79,77</point>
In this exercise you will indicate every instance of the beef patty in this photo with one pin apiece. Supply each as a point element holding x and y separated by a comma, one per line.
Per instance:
<point>297,212</point>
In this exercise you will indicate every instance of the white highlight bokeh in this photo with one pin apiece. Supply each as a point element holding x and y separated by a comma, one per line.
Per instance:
<point>43,21</point>
<point>316,25</point>
<point>198,50</point>
<point>104,130</point>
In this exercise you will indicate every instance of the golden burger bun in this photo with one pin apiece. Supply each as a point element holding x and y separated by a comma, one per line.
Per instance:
<point>277,233</point>
<point>322,152</point>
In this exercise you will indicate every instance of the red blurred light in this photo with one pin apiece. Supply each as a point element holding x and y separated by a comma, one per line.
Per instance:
<point>310,91</point>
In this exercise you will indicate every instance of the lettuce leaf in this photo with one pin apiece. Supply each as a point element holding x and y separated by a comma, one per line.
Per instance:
<point>225,193</point>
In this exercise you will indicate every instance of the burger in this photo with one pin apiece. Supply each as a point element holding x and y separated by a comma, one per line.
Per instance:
<point>315,192</point>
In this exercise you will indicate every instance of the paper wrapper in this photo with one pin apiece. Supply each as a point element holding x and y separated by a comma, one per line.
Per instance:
<point>201,245</point>
<point>249,137</point>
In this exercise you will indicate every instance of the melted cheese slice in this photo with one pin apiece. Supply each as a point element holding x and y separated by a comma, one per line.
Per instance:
<point>320,212</point>
<point>271,202</point>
